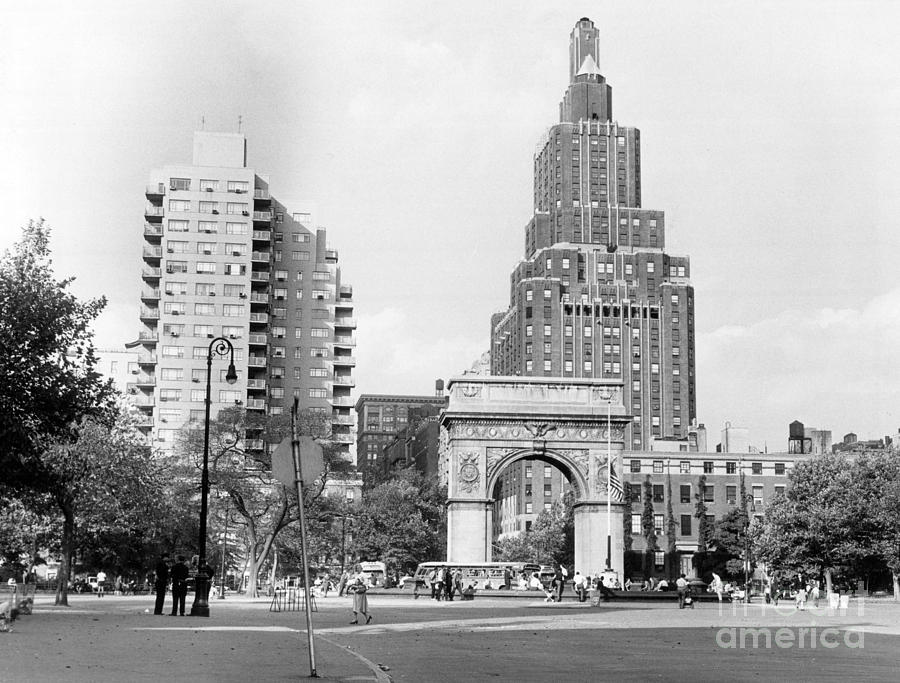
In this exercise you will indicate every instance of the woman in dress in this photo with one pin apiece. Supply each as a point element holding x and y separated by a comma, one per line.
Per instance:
<point>360,601</point>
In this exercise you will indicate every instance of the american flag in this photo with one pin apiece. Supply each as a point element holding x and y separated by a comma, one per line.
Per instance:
<point>615,492</point>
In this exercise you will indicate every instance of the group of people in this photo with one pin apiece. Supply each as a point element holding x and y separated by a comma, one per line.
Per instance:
<point>445,583</point>
<point>176,573</point>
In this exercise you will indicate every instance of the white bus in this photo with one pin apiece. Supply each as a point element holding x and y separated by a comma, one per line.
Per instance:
<point>374,571</point>
<point>479,575</point>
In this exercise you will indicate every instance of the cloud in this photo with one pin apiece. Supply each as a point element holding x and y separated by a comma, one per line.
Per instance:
<point>829,368</point>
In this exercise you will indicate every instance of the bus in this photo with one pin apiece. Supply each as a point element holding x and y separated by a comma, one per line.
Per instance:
<point>374,572</point>
<point>479,575</point>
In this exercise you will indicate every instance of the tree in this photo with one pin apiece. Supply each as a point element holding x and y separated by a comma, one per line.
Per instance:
<point>104,479</point>
<point>262,506</point>
<point>648,526</point>
<point>671,530</point>
<point>551,539</point>
<point>627,539</point>
<point>700,512</point>
<point>729,538</point>
<point>48,381</point>
<point>402,521</point>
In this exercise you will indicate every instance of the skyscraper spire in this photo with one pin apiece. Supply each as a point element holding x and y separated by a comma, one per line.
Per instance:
<point>583,42</point>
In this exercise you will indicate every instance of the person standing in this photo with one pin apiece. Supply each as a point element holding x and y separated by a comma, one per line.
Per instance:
<point>179,575</point>
<point>681,585</point>
<point>101,579</point>
<point>360,601</point>
<point>560,582</point>
<point>342,584</point>
<point>161,581</point>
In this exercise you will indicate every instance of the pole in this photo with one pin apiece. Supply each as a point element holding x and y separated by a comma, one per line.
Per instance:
<point>200,608</point>
<point>298,473</point>
<point>609,482</point>
<point>224,552</point>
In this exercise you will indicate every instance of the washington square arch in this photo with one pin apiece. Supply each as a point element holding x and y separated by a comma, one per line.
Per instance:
<point>491,422</point>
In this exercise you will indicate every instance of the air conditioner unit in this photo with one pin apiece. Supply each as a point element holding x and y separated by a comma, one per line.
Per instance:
<point>242,295</point>
<point>232,336</point>
<point>279,336</point>
<point>175,313</point>
<point>207,251</point>
<point>212,293</point>
<point>195,379</point>
<point>210,335</point>
<point>245,213</point>
<point>209,189</point>
<point>279,297</point>
<point>235,253</point>
<point>169,291</point>
<point>215,211</point>
<point>174,334</point>
<point>170,250</point>
<point>163,398</point>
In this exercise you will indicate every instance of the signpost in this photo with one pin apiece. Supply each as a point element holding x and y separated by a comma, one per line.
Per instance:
<point>295,460</point>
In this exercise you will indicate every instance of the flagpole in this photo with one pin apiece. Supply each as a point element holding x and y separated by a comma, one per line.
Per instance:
<point>608,482</point>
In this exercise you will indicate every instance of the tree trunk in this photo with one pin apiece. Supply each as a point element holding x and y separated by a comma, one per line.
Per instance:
<point>896,578</point>
<point>828,587</point>
<point>62,579</point>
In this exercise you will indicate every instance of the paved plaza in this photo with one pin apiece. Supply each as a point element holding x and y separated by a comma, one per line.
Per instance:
<point>114,639</point>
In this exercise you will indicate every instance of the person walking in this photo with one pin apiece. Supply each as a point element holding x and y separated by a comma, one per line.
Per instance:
<point>681,586</point>
<point>342,584</point>
<point>161,581</point>
<point>179,575</point>
<point>360,601</point>
<point>101,580</point>
<point>561,574</point>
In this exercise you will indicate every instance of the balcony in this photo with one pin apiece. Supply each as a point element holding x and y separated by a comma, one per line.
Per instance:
<point>257,276</point>
<point>262,216</point>
<point>260,256</point>
<point>256,404</point>
<point>346,361</point>
<point>257,339</point>
<point>256,362</point>
<point>343,420</point>
<point>342,437</point>
<point>150,295</point>
<point>259,318</point>
<point>149,313</point>
<point>331,255</point>
<point>151,273</point>
<point>155,190</point>
<point>143,420</point>
<point>344,340</point>
<point>256,384</point>
<point>261,195</point>
<point>148,337</point>
<point>254,444</point>
<point>146,359</point>
<point>345,322</point>
<point>143,379</point>
<point>262,235</point>
<point>344,381</point>
<point>152,231</point>
<point>152,253</point>
<point>342,402</point>
<point>143,401</point>
<point>346,290</point>
<point>154,213</point>
<point>259,298</point>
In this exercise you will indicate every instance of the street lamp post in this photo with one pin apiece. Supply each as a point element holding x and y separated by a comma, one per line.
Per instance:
<point>219,347</point>
<point>224,552</point>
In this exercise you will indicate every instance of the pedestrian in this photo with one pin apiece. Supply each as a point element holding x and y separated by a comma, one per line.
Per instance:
<point>179,575</point>
<point>561,575</point>
<point>342,584</point>
<point>578,585</point>
<point>360,601</point>
<point>717,585</point>
<point>815,592</point>
<point>507,578</point>
<point>681,586</point>
<point>628,584</point>
<point>437,588</point>
<point>605,593</point>
<point>161,581</point>
<point>101,580</point>
<point>800,598</point>
<point>119,584</point>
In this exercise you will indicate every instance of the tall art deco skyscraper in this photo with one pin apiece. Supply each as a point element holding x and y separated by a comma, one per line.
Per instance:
<point>596,294</point>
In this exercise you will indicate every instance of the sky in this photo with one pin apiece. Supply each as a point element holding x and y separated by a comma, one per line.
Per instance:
<point>768,134</point>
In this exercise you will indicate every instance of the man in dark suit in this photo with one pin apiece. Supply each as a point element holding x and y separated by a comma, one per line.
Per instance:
<point>162,580</point>
<point>179,576</point>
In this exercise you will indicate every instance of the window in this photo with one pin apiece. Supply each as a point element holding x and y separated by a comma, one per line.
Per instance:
<point>180,183</point>
<point>207,227</point>
<point>707,467</point>
<point>235,269</point>
<point>548,330</point>
<point>206,248</point>
<point>206,267</point>
<point>234,248</point>
<point>529,329</point>
<point>731,495</point>
<point>204,309</point>
<point>658,493</point>
<point>318,393</point>
<point>658,524</point>
<point>549,263</point>
<point>547,293</point>
<point>238,186</point>
<point>321,277</point>
<point>209,207</point>
<point>173,351</point>
<point>779,468</point>
<point>779,490</point>
<point>757,495</point>
<point>229,396</point>
<point>176,246</point>
<point>657,467</point>
<point>318,332</point>
<point>318,372</point>
<point>209,185</point>
<point>650,266</point>
<point>170,394</point>
<point>174,307</point>
<point>529,508</point>
<point>176,287</point>
<point>179,205</point>
<point>709,497</point>
<point>171,374</point>
<point>300,237</point>
<point>756,467</point>
<point>281,275</point>
<point>635,492</point>
<point>674,299</point>
<point>529,365</point>
<point>547,366</point>
<point>204,288</point>
<point>685,525</point>
<point>685,490</point>
<point>730,467</point>
<point>588,330</point>
<point>636,524</point>
<point>529,294</point>
<point>320,294</point>
<point>299,256</point>
<point>635,466</point>
<point>232,331</point>
<point>298,294</point>
<point>565,263</point>
<point>235,228</point>
<point>528,471</point>
<point>178,226</point>
<point>237,208</point>
<point>684,467</point>
<point>234,290</point>
<point>318,352</point>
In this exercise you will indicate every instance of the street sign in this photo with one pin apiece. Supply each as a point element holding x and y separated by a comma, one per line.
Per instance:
<point>311,461</point>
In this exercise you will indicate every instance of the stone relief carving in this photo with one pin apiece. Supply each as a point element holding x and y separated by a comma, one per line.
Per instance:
<point>495,455</point>
<point>538,429</point>
<point>470,390</point>
<point>578,456</point>
<point>468,471</point>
